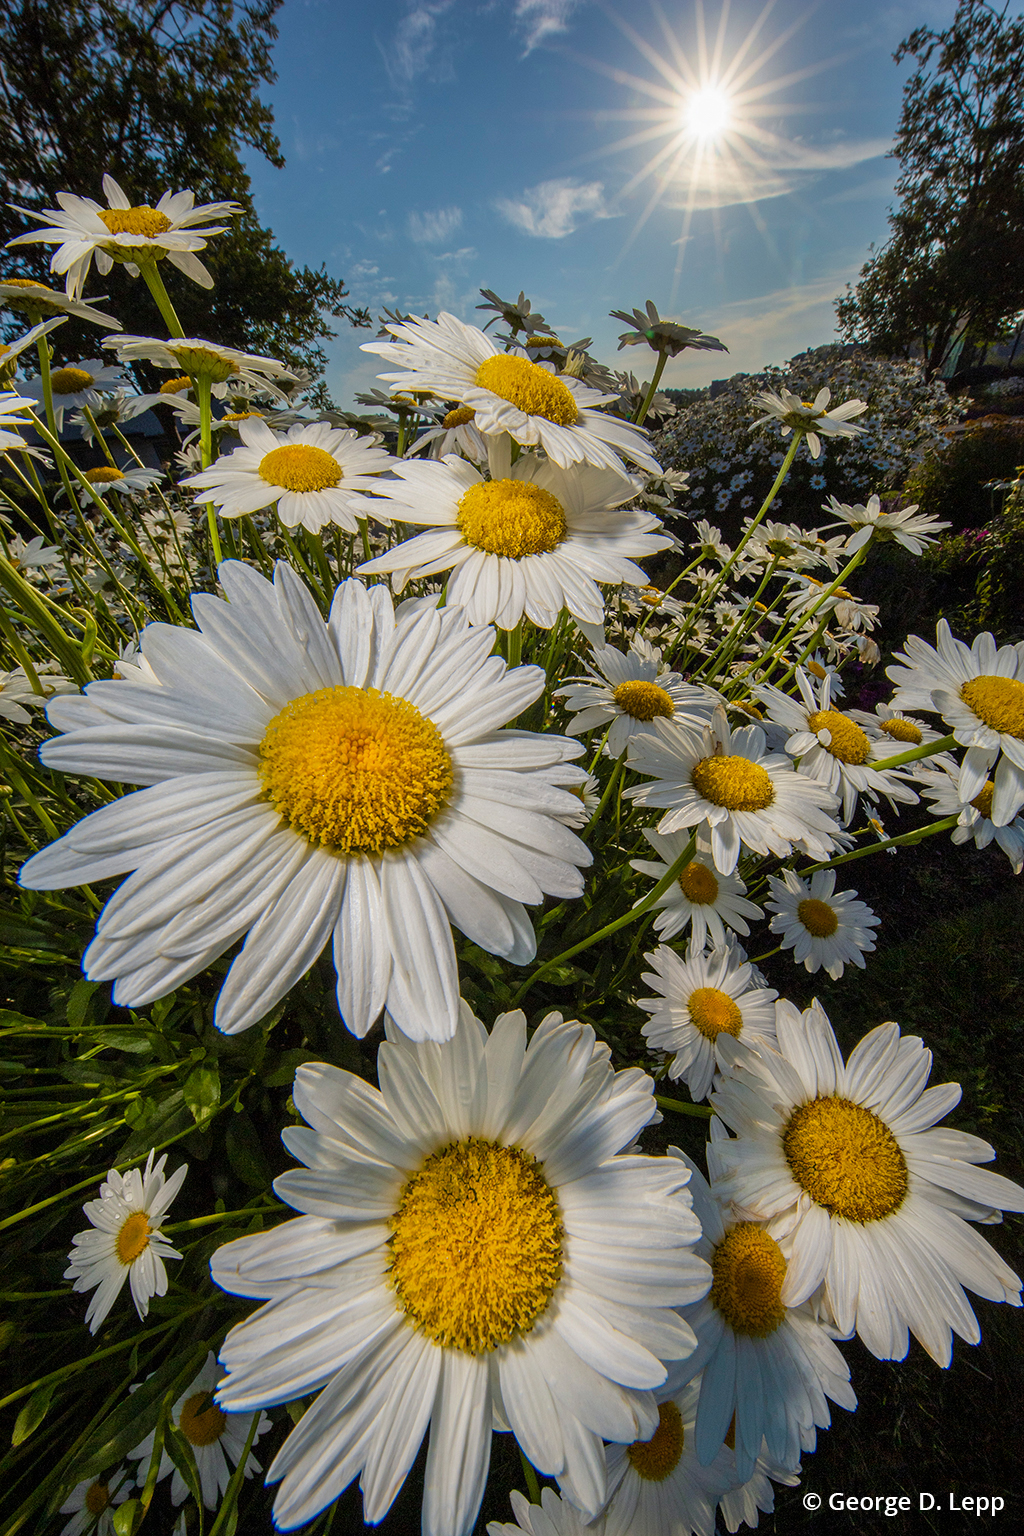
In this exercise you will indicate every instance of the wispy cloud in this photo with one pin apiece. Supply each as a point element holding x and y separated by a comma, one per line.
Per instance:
<point>766,169</point>
<point>553,209</point>
<point>434,226</point>
<point>538,19</point>
<point>412,45</point>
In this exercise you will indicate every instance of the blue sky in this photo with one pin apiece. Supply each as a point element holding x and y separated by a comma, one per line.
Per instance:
<point>435,147</point>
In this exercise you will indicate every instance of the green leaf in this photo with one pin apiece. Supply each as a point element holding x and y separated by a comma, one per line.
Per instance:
<point>158,1123</point>
<point>136,1041</point>
<point>183,1456</point>
<point>288,1064</point>
<point>33,1413</point>
<point>245,1154</point>
<point>124,1518</point>
<point>201,1091</point>
<point>78,1002</point>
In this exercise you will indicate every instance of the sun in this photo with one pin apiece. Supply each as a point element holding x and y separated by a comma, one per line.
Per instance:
<point>707,112</point>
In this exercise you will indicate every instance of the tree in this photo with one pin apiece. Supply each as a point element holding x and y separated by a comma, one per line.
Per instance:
<point>954,265</point>
<point>162,94</point>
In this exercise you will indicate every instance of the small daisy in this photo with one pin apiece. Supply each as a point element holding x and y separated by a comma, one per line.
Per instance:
<point>701,997</point>
<point>533,539</point>
<point>587,790</point>
<point>811,418</point>
<point>824,928</point>
<point>126,482</point>
<point>474,1250</point>
<point>903,731</point>
<point>456,432</point>
<point>125,233</point>
<point>315,474</point>
<point>939,783</point>
<point>309,782</point>
<point>126,1243</point>
<point>831,747</point>
<point>192,356</point>
<point>979,692</point>
<point>701,896</point>
<point>626,691</point>
<point>845,1166</point>
<point>551,1517</point>
<point>766,1369</point>
<point>32,554</point>
<point>529,401</point>
<point>91,1505</point>
<point>217,1440</point>
<point>75,384</point>
<point>914,533</point>
<point>37,302</point>
<point>726,779</point>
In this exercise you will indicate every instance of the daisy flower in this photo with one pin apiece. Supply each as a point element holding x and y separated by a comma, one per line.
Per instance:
<point>126,1243</point>
<point>700,998</point>
<point>473,1252</point>
<point>940,785</point>
<point>726,779</point>
<point>626,691</point>
<point>315,474</point>
<point>91,1505</point>
<point>979,692</point>
<point>914,533</point>
<point>702,897</point>
<point>126,482</point>
<point>551,1517</point>
<point>824,928</point>
<point>902,730</point>
<point>529,401</point>
<point>37,302</point>
<point>809,417</point>
<point>191,355</point>
<point>217,1440</point>
<point>831,747</point>
<point>456,432</point>
<point>765,1368</point>
<point>308,782</point>
<point>745,1505</point>
<point>73,385</point>
<point>125,233</point>
<point>533,539</point>
<point>844,1164</point>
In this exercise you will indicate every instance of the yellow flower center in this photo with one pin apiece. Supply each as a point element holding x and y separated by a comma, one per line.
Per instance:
<point>748,707</point>
<point>176,386</point>
<point>104,475</point>
<point>70,381</point>
<point>300,467</point>
<point>529,386</point>
<point>849,743</point>
<point>511,518</point>
<point>817,670</point>
<point>133,1237</point>
<point>699,884</point>
<point>747,1274</point>
<point>846,1158</point>
<point>656,1458</point>
<point>733,782</point>
<point>713,1011</point>
<point>998,701</point>
<point>354,769</point>
<point>144,221</point>
<point>459,417</point>
<point>25,282</point>
<point>244,416</point>
<point>983,799</point>
<point>643,701</point>
<point>651,596</point>
<point>200,1420</point>
<point>902,730</point>
<point>476,1245</point>
<point>97,1498</point>
<point>817,917</point>
<point>203,360</point>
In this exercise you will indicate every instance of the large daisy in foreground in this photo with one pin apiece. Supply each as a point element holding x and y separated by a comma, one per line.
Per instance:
<point>845,1166</point>
<point>508,393</point>
<point>473,1253</point>
<point>312,782</point>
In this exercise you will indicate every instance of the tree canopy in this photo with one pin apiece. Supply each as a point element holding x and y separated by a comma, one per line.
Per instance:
<point>954,264</point>
<point>162,94</point>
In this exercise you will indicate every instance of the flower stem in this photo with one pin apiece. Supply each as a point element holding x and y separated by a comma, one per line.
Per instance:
<point>155,284</point>
<point>677,1107</point>
<point>638,419</point>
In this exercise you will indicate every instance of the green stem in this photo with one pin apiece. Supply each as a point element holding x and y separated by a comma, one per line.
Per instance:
<point>930,748</point>
<point>203,394</point>
<point>32,605</point>
<point>155,284</point>
<point>905,840</point>
<point>677,1107</point>
<point>234,1487</point>
<point>315,544</point>
<point>91,419</point>
<point>529,1472</point>
<point>514,645</point>
<point>638,419</point>
<point>608,789</point>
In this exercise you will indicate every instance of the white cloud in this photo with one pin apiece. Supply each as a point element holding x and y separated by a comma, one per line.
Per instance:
<point>434,226</point>
<point>539,19</point>
<point>553,209</point>
<point>410,47</point>
<point>770,167</point>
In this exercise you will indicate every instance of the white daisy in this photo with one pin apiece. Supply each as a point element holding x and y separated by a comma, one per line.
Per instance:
<point>533,539</point>
<point>587,792</point>
<point>192,355</point>
<point>844,1165</point>
<point>473,1252</point>
<point>745,1505</point>
<point>32,554</point>
<point>308,781</point>
<point>765,1368</point>
<point>825,928</point>
<point>217,1440</point>
<point>979,692</point>
<point>74,384</point>
<point>456,432</point>
<point>703,897</point>
<point>903,731</point>
<point>724,777</point>
<point>125,233</point>
<point>126,482</point>
<point>126,1243</point>
<point>91,1505</point>
<point>939,783</point>
<point>831,747</point>
<point>914,533</point>
<point>37,302</point>
<point>700,998</point>
<point>810,417</point>
<point>626,691</point>
<point>316,474</point>
<point>529,401</point>
<point>551,1517</point>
